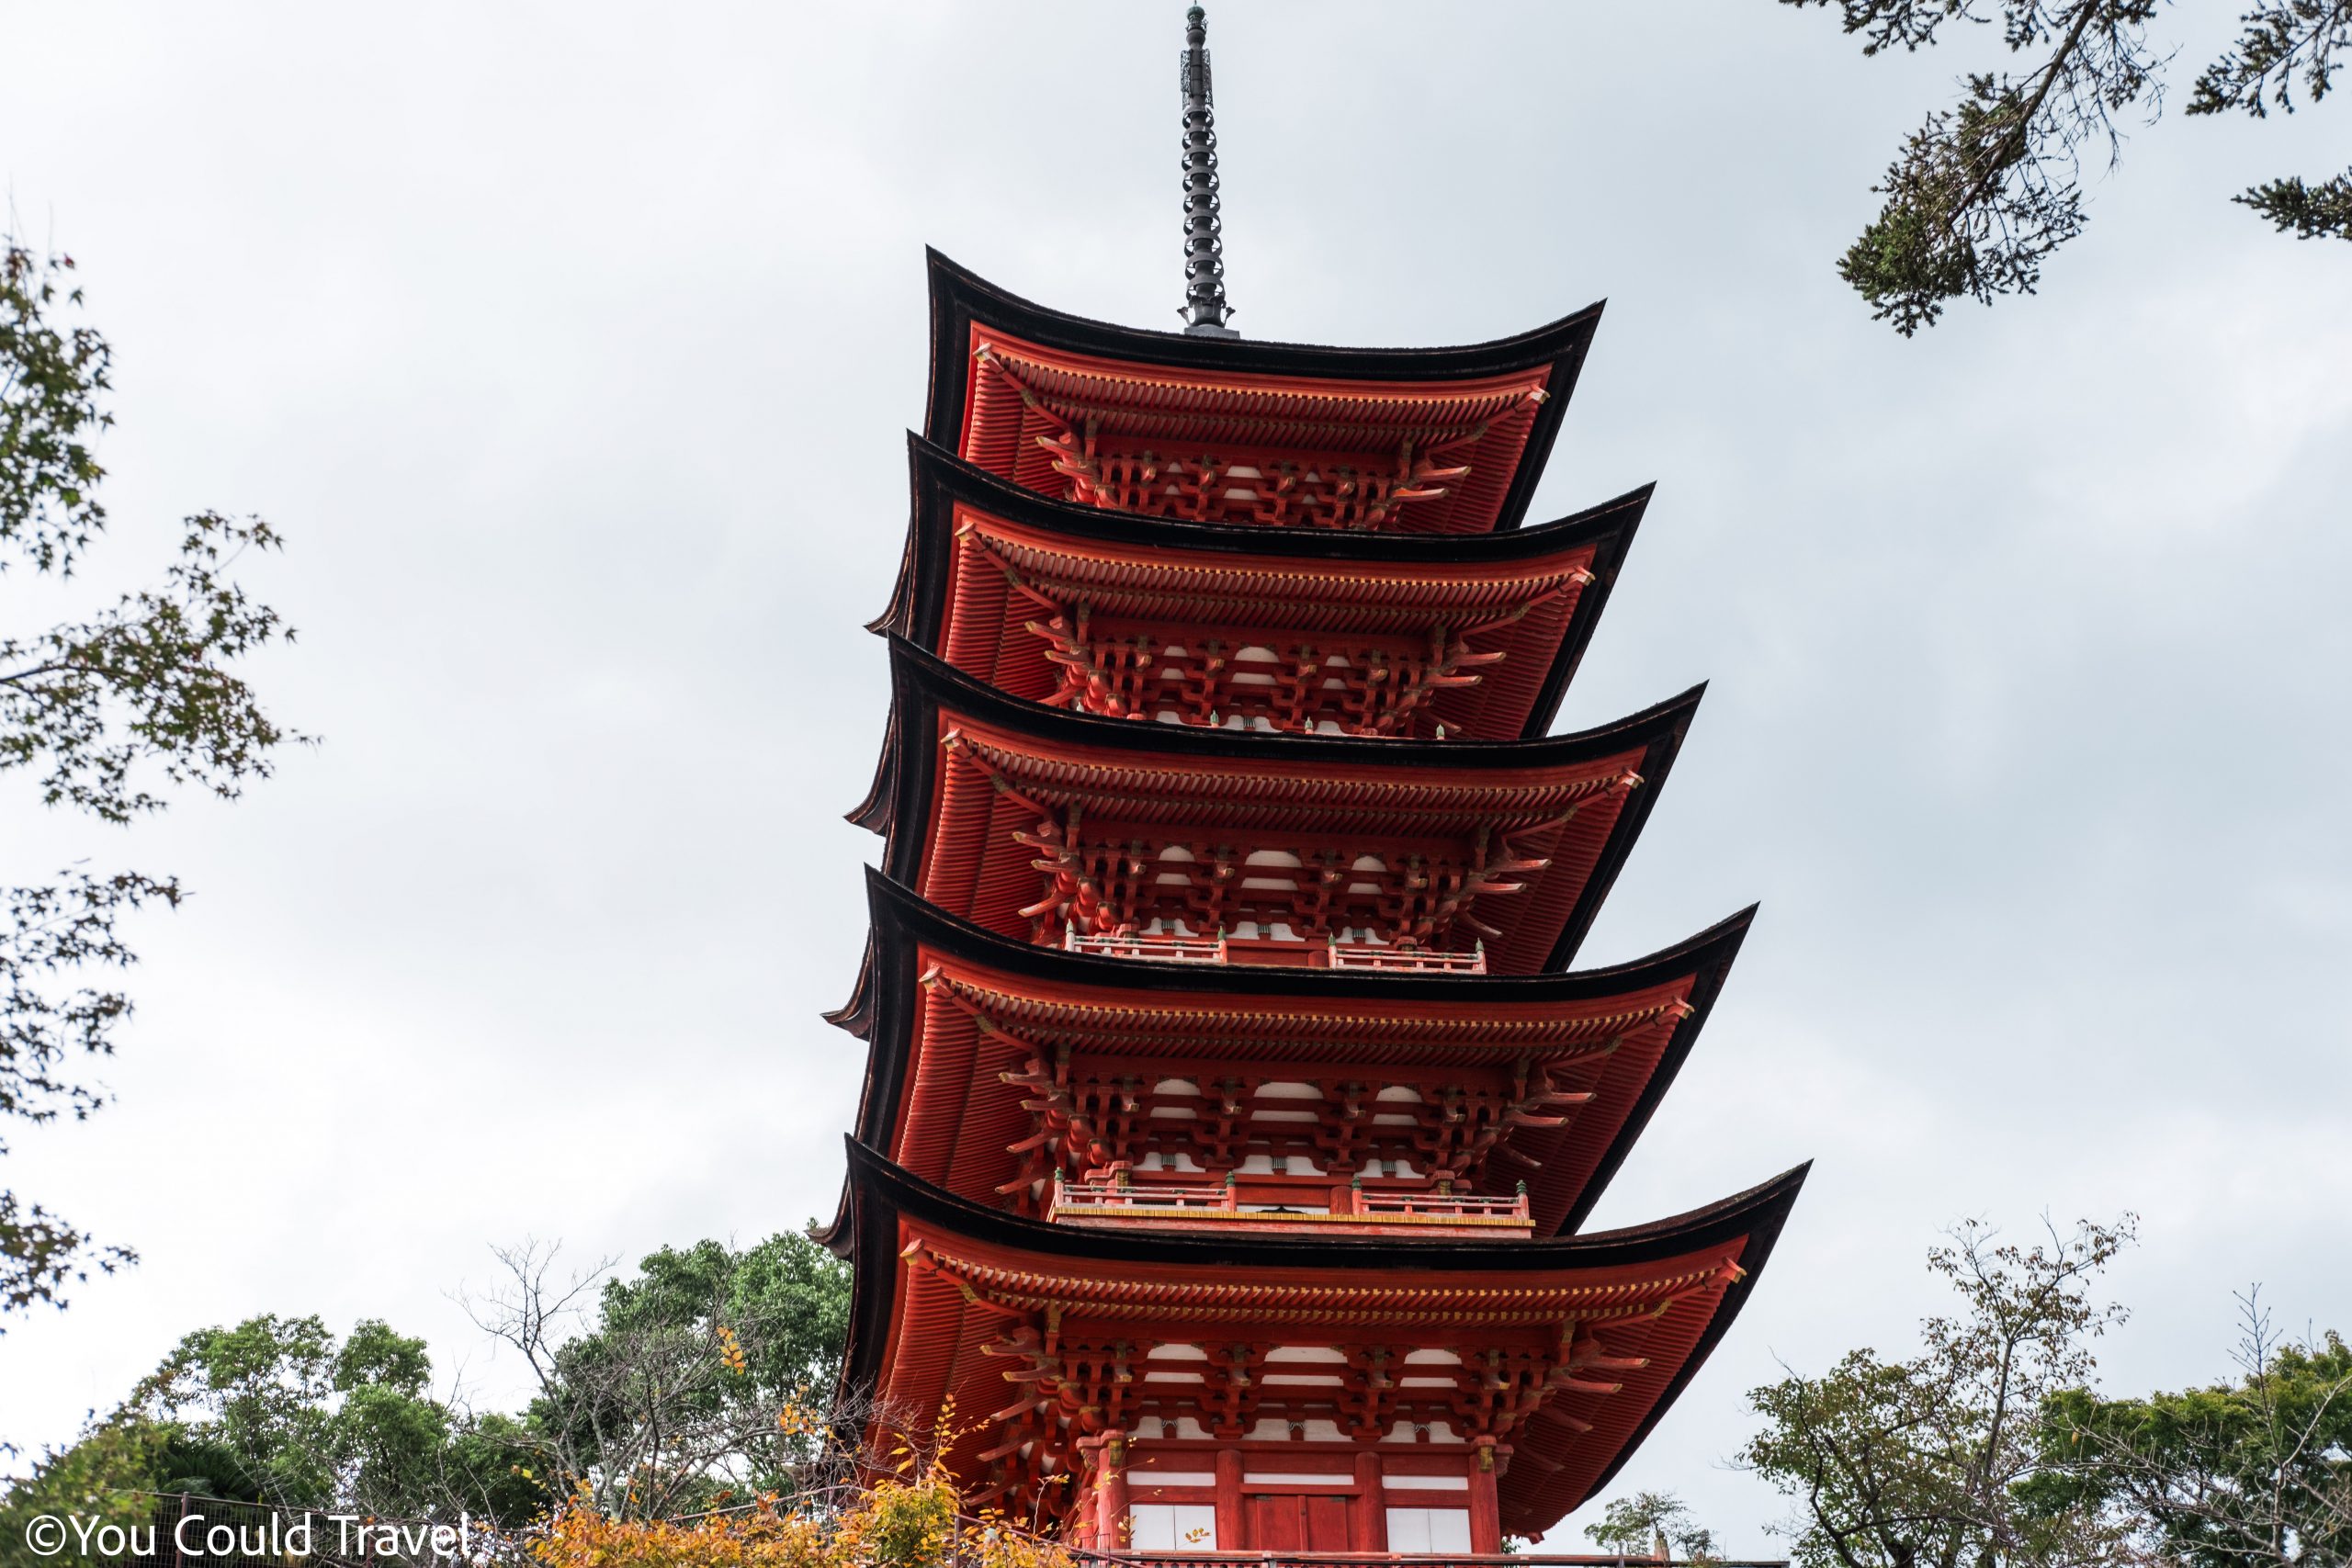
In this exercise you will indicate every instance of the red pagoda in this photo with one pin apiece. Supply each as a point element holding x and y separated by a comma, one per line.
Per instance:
<point>1231,1109</point>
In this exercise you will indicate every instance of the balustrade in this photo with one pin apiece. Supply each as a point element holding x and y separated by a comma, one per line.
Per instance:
<point>1120,1201</point>
<point>1407,960</point>
<point>1331,953</point>
<point>1154,949</point>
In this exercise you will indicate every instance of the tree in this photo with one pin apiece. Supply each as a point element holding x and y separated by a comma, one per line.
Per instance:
<point>2251,1473</point>
<point>786,1298</point>
<point>1982,193</point>
<point>275,1410</point>
<point>279,1411</point>
<point>696,1380</point>
<point>701,1380</point>
<point>107,1476</point>
<point>105,712</point>
<point>1652,1524</point>
<point>1931,1461</point>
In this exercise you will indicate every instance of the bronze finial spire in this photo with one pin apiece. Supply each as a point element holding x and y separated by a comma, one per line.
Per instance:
<point>1204,310</point>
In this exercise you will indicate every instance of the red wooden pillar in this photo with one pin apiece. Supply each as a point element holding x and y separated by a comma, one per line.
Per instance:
<point>1368,1520</point>
<point>1486,1511</point>
<point>1111,1533</point>
<point>1231,1533</point>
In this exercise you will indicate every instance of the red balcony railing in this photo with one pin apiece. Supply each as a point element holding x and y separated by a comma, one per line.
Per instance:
<point>1231,1206</point>
<point>1329,954</point>
<point>1157,949</point>
<point>1409,960</point>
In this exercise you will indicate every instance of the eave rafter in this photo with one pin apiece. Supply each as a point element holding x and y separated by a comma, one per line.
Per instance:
<point>1035,595</point>
<point>1014,1290</point>
<point>1141,582</point>
<point>1293,843</point>
<point>1116,878</point>
<point>1239,461</point>
<point>1548,1360</point>
<point>1242,795</point>
<point>1211,1028</point>
<point>1206,674</point>
<point>1095,1113</point>
<point>1080,1376</point>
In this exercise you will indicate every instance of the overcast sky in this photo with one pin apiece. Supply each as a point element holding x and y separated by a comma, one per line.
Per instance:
<point>572,347</point>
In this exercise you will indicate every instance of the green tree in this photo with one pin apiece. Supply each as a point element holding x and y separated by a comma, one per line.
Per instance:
<point>786,1298</point>
<point>105,713</point>
<point>1979,196</point>
<point>106,1475</point>
<point>2252,1472</point>
<point>708,1372</point>
<point>1932,1462</point>
<point>277,1410</point>
<point>696,1378</point>
<point>252,1412</point>
<point>1654,1524</point>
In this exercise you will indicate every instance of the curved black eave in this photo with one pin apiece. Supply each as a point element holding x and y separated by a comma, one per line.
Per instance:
<point>921,683</point>
<point>880,1010</point>
<point>939,481</point>
<point>960,297</point>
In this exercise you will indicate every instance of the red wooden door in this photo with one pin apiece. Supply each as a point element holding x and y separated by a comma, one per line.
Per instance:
<point>1292,1521</point>
<point>1326,1523</point>
<point>1276,1522</point>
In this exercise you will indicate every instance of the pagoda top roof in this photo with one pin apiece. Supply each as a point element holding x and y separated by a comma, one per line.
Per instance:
<point>937,1277</point>
<point>1584,794</point>
<point>1619,1033</point>
<point>1537,592</point>
<point>1234,389</point>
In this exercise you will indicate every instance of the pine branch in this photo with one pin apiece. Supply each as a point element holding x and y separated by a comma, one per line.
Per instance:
<point>2308,211</point>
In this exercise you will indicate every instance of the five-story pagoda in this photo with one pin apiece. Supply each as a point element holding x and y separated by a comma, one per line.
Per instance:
<point>1231,1109</point>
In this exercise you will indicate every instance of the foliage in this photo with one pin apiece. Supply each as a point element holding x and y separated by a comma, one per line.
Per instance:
<point>274,1410</point>
<point>146,681</point>
<point>1929,1462</point>
<point>2250,1473</point>
<point>277,1411</point>
<point>898,1524</point>
<point>687,1385</point>
<point>1639,1525</point>
<point>792,1290</point>
<point>2278,44</point>
<point>51,413</point>
<point>1981,194</point>
<point>690,1380</point>
<point>2308,211</point>
<point>111,711</point>
<point>105,1477</point>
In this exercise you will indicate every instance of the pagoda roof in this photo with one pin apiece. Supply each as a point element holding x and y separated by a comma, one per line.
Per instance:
<point>966,770</point>
<point>944,1288</point>
<point>1534,596</point>
<point>947,1008</point>
<point>1493,408</point>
